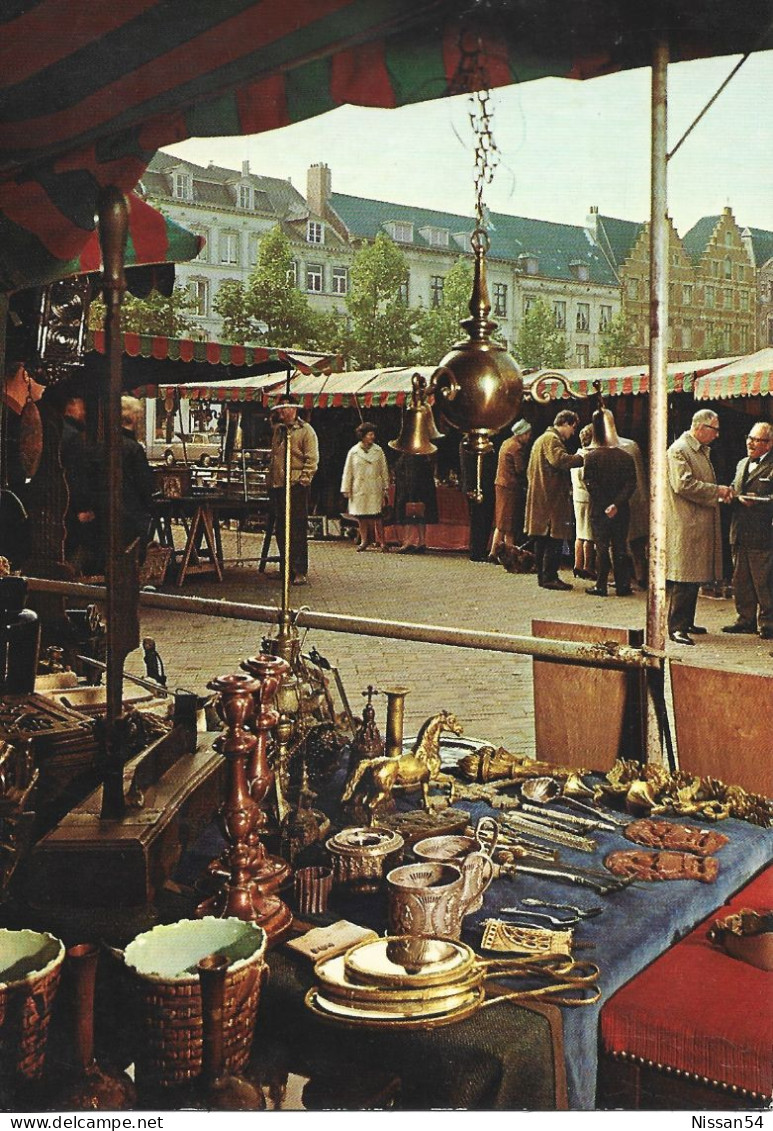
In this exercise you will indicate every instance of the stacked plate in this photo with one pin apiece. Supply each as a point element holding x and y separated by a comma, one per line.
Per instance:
<point>398,982</point>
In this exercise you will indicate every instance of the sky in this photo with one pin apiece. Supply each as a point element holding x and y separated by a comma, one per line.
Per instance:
<point>563,146</point>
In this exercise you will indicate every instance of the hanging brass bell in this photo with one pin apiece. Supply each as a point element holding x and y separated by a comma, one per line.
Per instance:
<point>419,429</point>
<point>478,386</point>
<point>416,432</point>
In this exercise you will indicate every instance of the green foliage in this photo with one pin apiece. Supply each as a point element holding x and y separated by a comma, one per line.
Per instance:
<point>540,344</point>
<point>438,329</point>
<point>272,300</point>
<point>381,324</point>
<point>715,344</point>
<point>618,342</point>
<point>230,303</point>
<point>165,315</point>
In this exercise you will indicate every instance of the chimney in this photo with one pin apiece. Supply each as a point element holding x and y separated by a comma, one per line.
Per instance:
<point>318,189</point>
<point>245,168</point>
<point>592,220</point>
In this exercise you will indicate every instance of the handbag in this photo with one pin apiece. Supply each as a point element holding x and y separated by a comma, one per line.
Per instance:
<point>414,510</point>
<point>388,514</point>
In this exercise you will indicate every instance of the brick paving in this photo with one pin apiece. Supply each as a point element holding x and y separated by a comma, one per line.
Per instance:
<point>491,693</point>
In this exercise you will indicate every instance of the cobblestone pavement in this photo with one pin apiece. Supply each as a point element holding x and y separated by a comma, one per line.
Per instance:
<point>490,692</point>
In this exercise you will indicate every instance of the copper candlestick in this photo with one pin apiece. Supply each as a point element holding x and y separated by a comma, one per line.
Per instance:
<point>240,814</point>
<point>268,872</point>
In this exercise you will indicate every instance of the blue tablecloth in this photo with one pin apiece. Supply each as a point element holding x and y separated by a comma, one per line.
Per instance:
<point>636,926</point>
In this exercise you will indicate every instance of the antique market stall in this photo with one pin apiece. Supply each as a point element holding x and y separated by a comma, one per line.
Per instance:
<point>417,1019</point>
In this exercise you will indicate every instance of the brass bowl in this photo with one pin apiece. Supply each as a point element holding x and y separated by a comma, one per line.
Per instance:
<point>361,857</point>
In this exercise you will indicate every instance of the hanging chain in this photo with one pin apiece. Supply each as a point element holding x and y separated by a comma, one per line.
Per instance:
<point>486,152</point>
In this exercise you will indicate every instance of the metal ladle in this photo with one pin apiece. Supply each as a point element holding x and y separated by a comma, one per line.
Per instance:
<point>543,790</point>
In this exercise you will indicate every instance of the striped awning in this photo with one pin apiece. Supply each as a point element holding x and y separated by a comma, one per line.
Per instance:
<point>750,376</point>
<point>152,238</point>
<point>555,384</point>
<point>90,92</point>
<point>261,360</point>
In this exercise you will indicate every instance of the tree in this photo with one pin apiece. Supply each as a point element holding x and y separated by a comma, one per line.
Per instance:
<point>381,321</point>
<point>618,343</point>
<point>230,303</point>
<point>164,315</point>
<point>541,345</point>
<point>438,329</point>
<point>273,301</point>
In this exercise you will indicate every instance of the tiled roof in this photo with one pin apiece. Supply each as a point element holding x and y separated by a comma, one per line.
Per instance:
<point>617,237</point>
<point>272,194</point>
<point>554,245</point>
<point>696,241</point>
<point>762,245</point>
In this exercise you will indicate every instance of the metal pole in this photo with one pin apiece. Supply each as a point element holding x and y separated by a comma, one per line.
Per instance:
<point>655,632</point>
<point>598,655</point>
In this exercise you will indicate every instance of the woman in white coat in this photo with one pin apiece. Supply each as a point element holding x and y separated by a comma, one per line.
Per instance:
<point>365,484</point>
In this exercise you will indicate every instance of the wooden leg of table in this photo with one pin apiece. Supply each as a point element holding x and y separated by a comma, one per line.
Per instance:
<point>189,548</point>
<point>211,540</point>
<point>266,543</point>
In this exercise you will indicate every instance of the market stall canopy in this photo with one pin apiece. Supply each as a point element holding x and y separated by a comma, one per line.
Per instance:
<point>750,376</point>
<point>87,101</point>
<point>153,238</point>
<point>366,388</point>
<point>553,384</point>
<point>245,371</point>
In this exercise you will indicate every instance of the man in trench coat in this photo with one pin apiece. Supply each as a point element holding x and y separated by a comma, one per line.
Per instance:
<point>693,537</point>
<point>549,511</point>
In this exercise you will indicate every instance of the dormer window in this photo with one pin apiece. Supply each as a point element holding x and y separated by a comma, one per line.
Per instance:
<point>315,232</point>
<point>528,263</point>
<point>244,197</point>
<point>462,240</point>
<point>401,231</point>
<point>182,186</point>
<point>435,237</point>
<point>579,271</point>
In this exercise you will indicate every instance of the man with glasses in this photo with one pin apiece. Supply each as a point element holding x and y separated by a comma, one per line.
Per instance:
<point>751,535</point>
<point>693,536</point>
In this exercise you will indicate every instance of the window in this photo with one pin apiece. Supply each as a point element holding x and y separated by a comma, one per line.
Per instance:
<point>728,239</point>
<point>632,288</point>
<point>500,299</point>
<point>687,335</point>
<point>744,300</point>
<point>583,316</point>
<point>728,268</point>
<point>314,277</point>
<point>436,237</point>
<point>559,314</point>
<point>687,294</point>
<point>292,274</point>
<point>400,231</point>
<point>229,247</point>
<point>404,292</point>
<point>340,280</point>
<point>314,232</point>
<point>583,356</point>
<point>605,317</point>
<point>436,290</point>
<point>710,297</point>
<point>743,337</point>
<point>528,303</point>
<point>199,290</point>
<point>728,298</point>
<point>244,196</point>
<point>182,186</point>
<point>254,249</point>
<point>741,273</point>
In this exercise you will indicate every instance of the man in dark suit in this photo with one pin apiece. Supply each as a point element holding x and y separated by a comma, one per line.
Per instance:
<point>751,535</point>
<point>610,477</point>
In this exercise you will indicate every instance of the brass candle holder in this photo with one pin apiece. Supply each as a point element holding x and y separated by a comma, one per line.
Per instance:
<point>239,896</point>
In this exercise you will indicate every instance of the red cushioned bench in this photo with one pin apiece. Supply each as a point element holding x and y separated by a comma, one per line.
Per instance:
<point>695,1028</point>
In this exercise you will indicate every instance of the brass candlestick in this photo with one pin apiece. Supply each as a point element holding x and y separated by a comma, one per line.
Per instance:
<point>395,720</point>
<point>240,813</point>
<point>268,872</point>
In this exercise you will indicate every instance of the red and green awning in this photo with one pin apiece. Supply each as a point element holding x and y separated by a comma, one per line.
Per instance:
<point>258,359</point>
<point>615,381</point>
<point>153,238</point>
<point>89,93</point>
<point>750,376</point>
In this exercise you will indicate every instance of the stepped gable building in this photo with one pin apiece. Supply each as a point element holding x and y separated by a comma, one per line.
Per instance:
<point>759,245</point>
<point>724,286</point>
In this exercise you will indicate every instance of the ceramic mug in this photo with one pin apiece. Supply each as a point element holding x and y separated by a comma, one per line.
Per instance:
<point>431,898</point>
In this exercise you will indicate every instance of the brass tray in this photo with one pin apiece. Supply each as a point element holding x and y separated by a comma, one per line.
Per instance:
<point>434,1013</point>
<point>335,985</point>
<point>403,962</point>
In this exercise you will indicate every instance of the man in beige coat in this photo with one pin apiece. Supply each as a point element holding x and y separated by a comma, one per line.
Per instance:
<point>304,461</point>
<point>693,536</point>
<point>549,511</point>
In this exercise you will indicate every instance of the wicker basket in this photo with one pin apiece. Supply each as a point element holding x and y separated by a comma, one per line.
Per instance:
<point>30,969</point>
<point>163,965</point>
<point>153,569</point>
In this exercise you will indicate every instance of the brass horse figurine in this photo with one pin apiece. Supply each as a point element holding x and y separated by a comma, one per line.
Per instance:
<point>374,779</point>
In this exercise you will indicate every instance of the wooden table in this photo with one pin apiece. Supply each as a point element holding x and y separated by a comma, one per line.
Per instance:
<point>201,516</point>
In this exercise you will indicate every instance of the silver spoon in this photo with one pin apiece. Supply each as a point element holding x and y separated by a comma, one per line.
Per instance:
<point>544,790</point>
<point>583,913</point>
<point>540,915</point>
